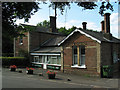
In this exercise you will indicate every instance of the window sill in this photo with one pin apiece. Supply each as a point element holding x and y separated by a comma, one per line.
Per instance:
<point>46,64</point>
<point>54,64</point>
<point>76,66</point>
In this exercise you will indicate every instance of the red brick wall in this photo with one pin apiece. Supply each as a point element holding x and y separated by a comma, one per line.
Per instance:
<point>90,54</point>
<point>37,38</point>
<point>24,46</point>
<point>106,53</point>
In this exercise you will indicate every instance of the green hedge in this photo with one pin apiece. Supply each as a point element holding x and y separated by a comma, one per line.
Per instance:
<point>18,61</point>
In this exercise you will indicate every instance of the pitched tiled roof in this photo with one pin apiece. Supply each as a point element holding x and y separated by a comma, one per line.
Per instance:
<point>53,41</point>
<point>100,36</point>
<point>48,49</point>
<point>97,36</point>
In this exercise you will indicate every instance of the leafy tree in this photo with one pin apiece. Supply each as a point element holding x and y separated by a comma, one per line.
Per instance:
<point>45,23</point>
<point>86,5</point>
<point>11,11</point>
<point>63,30</point>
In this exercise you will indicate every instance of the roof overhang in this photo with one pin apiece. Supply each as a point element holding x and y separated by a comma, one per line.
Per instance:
<point>77,30</point>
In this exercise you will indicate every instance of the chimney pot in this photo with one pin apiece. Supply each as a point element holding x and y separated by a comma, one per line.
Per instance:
<point>84,25</point>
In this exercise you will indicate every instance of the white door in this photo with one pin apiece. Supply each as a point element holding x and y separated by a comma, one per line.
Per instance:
<point>45,63</point>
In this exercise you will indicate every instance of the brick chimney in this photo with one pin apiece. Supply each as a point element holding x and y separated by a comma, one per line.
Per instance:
<point>107,33</point>
<point>102,27</point>
<point>84,25</point>
<point>107,22</point>
<point>53,24</point>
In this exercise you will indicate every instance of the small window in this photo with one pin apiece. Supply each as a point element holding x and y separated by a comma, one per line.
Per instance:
<point>115,57</point>
<point>21,40</point>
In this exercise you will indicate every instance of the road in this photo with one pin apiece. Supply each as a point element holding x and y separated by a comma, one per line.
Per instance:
<point>23,80</point>
<point>20,80</point>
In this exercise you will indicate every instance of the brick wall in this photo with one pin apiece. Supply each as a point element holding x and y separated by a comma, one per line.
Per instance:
<point>32,41</point>
<point>106,53</point>
<point>37,38</point>
<point>90,54</point>
<point>23,46</point>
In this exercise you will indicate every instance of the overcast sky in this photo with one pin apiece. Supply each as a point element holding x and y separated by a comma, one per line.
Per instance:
<point>75,16</point>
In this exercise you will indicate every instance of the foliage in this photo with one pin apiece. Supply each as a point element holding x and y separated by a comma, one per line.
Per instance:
<point>7,54</point>
<point>23,53</point>
<point>13,66</point>
<point>45,24</point>
<point>105,7</point>
<point>51,72</point>
<point>18,61</point>
<point>65,31</point>
<point>59,5</point>
<point>30,68</point>
<point>11,11</point>
<point>12,58</point>
<point>86,5</point>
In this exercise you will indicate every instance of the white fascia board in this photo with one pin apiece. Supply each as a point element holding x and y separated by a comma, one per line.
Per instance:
<point>81,33</point>
<point>44,54</point>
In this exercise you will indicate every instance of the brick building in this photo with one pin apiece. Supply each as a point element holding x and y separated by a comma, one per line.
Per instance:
<point>85,51</point>
<point>81,52</point>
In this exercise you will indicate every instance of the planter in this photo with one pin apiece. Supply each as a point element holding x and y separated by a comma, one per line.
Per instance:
<point>12,69</point>
<point>29,71</point>
<point>51,76</point>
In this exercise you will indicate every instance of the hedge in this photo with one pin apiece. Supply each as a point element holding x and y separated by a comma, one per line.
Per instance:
<point>18,61</point>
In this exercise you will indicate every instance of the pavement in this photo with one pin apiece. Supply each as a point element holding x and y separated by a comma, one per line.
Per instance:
<point>91,82</point>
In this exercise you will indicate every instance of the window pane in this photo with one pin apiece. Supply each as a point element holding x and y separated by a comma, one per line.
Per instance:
<point>75,49</point>
<point>59,60</point>
<point>74,54</point>
<point>40,59</point>
<point>75,59</point>
<point>82,49</point>
<point>82,60</point>
<point>82,55</point>
<point>43,59</point>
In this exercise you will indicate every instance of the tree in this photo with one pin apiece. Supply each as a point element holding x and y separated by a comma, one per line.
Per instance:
<point>65,31</point>
<point>10,12</point>
<point>45,23</point>
<point>86,5</point>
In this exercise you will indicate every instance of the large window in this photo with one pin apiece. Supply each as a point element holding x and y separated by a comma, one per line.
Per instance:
<point>47,59</point>
<point>54,60</point>
<point>79,57</point>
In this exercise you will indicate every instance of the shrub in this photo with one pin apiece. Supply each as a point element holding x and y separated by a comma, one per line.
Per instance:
<point>18,61</point>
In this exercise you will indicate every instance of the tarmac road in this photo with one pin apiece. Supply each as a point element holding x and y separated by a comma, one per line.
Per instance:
<point>23,80</point>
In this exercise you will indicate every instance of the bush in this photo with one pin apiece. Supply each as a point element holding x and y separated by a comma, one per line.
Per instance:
<point>18,61</point>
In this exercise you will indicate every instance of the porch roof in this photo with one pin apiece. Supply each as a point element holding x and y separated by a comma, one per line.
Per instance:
<point>47,50</point>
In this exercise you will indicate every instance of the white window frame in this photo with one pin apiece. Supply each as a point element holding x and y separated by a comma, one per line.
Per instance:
<point>76,65</point>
